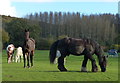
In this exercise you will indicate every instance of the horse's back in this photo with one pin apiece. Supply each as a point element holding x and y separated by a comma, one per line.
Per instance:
<point>19,50</point>
<point>71,46</point>
<point>76,42</point>
<point>10,48</point>
<point>81,46</point>
<point>76,46</point>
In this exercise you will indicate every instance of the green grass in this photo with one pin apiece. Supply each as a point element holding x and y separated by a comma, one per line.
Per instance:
<point>44,71</point>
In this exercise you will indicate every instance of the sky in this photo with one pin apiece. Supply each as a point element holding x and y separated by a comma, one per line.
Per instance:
<point>20,8</point>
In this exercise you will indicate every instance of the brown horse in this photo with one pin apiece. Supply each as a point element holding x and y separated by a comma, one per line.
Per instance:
<point>86,47</point>
<point>28,49</point>
<point>10,51</point>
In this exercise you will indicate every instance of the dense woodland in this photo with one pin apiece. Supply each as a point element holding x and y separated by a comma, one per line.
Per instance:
<point>46,27</point>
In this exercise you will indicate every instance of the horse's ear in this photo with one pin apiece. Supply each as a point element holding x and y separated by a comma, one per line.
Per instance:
<point>68,40</point>
<point>28,30</point>
<point>103,57</point>
<point>25,30</point>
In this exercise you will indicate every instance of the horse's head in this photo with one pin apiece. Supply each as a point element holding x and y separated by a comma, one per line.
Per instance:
<point>26,30</point>
<point>27,34</point>
<point>104,63</point>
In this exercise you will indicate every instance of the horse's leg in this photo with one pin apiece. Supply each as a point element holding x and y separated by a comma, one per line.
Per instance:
<point>94,66</point>
<point>31,58</point>
<point>83,69</point>
<point>24,57</point>
<point>19,58</point>
<point>28,59</point>
<point>12,57</point>
<point>9,58</point>
<point>61,64</point>
<point>16,58</point>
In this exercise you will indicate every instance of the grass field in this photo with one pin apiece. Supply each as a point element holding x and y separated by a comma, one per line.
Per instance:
<point>44,71</point>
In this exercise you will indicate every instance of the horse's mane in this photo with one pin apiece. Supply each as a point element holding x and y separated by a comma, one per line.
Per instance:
<point>32,40</point>
<point>86,40</point>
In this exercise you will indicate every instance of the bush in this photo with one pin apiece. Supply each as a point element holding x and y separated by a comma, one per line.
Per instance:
<point>62,36</point>
<point>44,43</point>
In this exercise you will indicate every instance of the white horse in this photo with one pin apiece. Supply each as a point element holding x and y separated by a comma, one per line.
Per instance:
<point>10,51</point>
<point>19,55</point>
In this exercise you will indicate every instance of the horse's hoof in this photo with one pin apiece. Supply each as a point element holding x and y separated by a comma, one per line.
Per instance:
<point>103,70</point>
<point>83,69</point>
<point>94,70</point>
<point>63,70</point>
<point>29,67</point>
<point>24,67</point>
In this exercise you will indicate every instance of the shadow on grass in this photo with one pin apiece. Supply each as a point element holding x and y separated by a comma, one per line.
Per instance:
<point>71,71</point>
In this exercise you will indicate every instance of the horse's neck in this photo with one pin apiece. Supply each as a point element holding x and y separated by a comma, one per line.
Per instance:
<point>27,38</point>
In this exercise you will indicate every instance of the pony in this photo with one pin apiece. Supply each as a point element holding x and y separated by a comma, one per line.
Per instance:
<point>10,51</point>
<point>78,47</point>
<point>28,49</point>
<point>19,55</point>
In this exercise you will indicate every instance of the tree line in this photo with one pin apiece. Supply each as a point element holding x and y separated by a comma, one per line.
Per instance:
<point>46,27</point>
<point>102,27</point>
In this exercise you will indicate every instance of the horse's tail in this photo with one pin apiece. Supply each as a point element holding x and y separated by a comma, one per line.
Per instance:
<point>53,50</point>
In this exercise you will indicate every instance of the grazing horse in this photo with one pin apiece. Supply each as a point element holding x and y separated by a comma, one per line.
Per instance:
<point>28,49</point>
<point>78,47</point>
<point>19,55</point>
<point>10,51</point>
